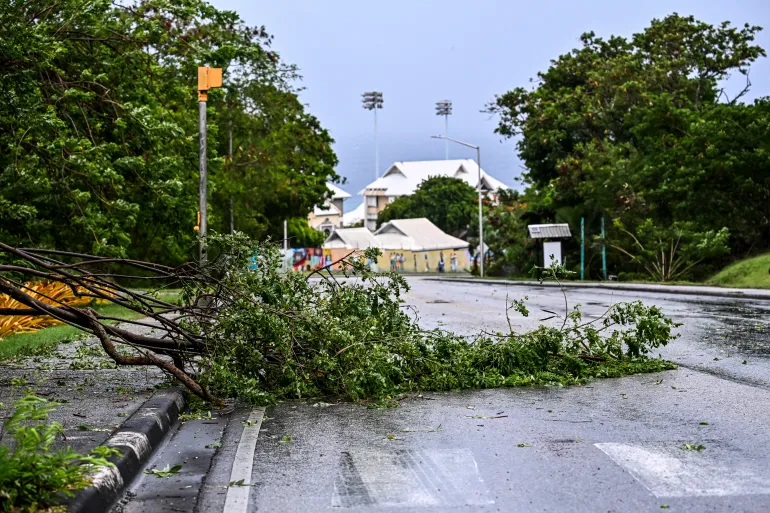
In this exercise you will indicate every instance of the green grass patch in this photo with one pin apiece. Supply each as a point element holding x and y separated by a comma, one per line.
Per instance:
<point>43,342</point>
<point>751,272</point>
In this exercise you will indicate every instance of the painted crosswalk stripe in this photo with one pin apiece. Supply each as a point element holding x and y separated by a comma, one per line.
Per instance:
<point>668,471</point>
<point>408,477</point>
<point>237,500</point>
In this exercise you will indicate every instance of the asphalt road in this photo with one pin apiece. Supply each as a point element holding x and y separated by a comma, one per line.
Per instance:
<point>717,336</point>
<point>614,445</point>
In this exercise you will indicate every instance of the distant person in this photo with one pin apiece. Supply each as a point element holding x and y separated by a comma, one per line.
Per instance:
<point>441,262</point>
<point>453,261</point>
<point>415,262</point>
<point>427,264</point>
<point>392,262</point>
<point>401,262</point>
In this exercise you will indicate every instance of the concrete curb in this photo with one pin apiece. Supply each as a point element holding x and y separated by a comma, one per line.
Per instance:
<point>136,439</point>
<point>691,290</point>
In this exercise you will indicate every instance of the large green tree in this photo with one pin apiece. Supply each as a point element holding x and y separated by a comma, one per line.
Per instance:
<point>447,202</point>
<point>640,130</point>
<point>99,127</point>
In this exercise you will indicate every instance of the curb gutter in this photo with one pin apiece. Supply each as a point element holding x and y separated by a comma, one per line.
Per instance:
<point>692,290</point>
<point>136,439</point>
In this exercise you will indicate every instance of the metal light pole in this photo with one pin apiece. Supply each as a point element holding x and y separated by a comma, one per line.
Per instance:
<point>372,100</point>
<point>202,182</point>
<point>208,78</point>
<point>230,156</point>
<point>481,219</point>
<point>582,247</point>
<point>444,108</point>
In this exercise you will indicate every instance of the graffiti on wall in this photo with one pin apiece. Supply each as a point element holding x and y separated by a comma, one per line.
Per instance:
<point>308,259</point>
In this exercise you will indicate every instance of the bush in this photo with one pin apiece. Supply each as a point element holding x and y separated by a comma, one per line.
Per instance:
<point>32,475</point>
<point>623,276</point>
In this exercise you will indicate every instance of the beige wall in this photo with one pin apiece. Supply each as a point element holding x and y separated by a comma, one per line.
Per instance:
<point>316,221</point>
<point>328,217</point>
<point>383,262</point>
<point>382,202</point>
<point>463,260</point>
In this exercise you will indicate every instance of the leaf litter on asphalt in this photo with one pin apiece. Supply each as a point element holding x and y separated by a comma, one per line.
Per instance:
<point>167,471</point>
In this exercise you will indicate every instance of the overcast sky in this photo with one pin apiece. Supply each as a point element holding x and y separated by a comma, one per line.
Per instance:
<point>420,51</point>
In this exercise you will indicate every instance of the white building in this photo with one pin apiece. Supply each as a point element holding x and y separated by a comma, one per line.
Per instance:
<point>351,239</point>
<point>329,216</point>
<point>354,216</point>
<point>403,178</point>
<point>416,235</point>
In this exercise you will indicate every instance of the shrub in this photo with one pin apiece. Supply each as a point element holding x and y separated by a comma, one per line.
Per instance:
<point>32,475</point>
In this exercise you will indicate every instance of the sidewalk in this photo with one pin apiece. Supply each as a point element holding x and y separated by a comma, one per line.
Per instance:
<point>694,290</point>
<point>129,408</point>
<point>95,397</point>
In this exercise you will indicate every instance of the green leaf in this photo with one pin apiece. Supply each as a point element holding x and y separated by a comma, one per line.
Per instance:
<point>165,472</point>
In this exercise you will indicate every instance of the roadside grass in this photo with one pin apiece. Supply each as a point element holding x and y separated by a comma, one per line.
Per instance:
<point>44,341</point>
<point>751,272</point>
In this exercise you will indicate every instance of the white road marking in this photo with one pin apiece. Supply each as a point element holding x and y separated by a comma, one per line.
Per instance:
<point>137,442</point>
<point>160,416</point>
<point>107,477</point>
<point>237,500</point>
<point>179,403</point>
<point>668,471</point>
<point>430,477</point>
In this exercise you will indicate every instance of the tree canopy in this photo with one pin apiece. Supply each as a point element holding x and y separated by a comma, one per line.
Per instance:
<point>99,128</point>
<point>640,130</point>
<point>447,202</point>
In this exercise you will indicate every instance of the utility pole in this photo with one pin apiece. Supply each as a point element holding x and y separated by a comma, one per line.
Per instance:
<point>284,260</point>
<point>444,108</point>
<point>582,248</point>
<point>482,253</point>
<point>208,78</point>
<point>230,158</point>
<point>604,253</point>
<point>372,100</point>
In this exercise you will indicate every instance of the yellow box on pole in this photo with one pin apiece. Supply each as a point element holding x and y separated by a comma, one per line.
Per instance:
<point>215,77</point>
<point>209,78</point>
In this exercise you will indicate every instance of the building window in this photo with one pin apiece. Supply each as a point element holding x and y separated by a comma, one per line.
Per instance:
<point>371,201</point>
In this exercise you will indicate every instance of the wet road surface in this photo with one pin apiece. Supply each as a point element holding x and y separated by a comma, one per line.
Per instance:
<point>717,336</point>
<point>614,445</point>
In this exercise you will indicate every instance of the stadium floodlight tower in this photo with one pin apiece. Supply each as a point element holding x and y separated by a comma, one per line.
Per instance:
<point>372,100</point>
<point>444,108</point>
